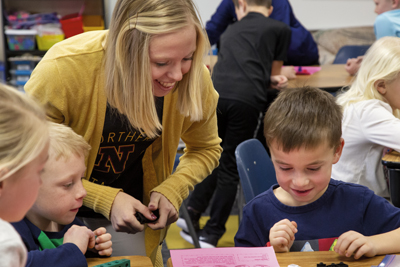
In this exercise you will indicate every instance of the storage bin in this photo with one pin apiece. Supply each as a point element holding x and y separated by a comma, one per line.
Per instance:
<point>72,24</point>
<point>24,62</point>
<point>92,23</point>
<point>21,39</point>
<point>46,41</point>
<point>20,75</point>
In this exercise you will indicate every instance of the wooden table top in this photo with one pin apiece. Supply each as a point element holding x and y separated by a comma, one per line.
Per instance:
<point>393,156</point>
<point>311,259</point>
<point>141,261</point>
<point>331,77</point>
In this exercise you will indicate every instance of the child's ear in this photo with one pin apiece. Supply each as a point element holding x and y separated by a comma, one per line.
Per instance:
<point>270,10</point>
<point>380,86</point>
<point>243,4</point>
<point>338,151</point>
<point>395,4</point>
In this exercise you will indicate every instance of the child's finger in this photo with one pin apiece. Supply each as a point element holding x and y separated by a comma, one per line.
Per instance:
<point>92,239</point>
<point>103,246</point>
<point>103,238</point>
<point>100,231</point>
<point>106,252</point>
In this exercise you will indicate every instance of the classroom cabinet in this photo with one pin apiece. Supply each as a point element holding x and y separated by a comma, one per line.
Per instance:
<point>61,7</point>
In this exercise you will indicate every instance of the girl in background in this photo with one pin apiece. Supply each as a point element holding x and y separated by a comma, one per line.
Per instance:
<point>371,117</point>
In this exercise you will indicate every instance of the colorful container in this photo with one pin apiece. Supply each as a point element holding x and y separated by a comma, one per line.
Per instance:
<point>21,39</point>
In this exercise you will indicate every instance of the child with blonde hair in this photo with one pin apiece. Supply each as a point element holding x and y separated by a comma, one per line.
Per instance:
<point>51,232</point>
<point>23,154</point>
<point>371,117</point>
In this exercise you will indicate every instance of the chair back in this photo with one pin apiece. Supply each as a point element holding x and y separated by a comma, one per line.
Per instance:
<point>256,171</point>
<point>349,51</point>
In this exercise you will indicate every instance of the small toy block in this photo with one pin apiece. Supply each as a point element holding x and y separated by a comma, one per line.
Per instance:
<point>117,263</point>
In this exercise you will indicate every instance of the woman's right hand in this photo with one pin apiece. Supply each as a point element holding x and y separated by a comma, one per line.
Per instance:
<point>123,214</point>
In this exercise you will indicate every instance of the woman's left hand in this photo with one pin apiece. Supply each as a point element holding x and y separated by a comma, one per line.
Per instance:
<point>167,211</point>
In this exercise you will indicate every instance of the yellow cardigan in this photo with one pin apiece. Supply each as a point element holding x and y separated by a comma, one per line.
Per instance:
<point>69,82</point>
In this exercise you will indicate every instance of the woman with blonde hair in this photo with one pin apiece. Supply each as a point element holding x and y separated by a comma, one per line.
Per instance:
<point>371,117</point>
<point>132,92</point>
<point>23,153</point>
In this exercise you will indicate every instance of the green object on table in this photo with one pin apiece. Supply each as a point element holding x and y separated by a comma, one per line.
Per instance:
<point>117,263</point>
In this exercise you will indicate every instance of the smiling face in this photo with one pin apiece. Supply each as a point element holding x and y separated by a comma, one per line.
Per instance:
<point>171,57</point>
<point>19,191</point>
<point>382,6</point>
<point>61,194</point>
<point>303,174</point>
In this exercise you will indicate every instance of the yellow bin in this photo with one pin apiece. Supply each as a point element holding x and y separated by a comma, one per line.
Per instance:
<point>92,23</point>
<point>46,41</point>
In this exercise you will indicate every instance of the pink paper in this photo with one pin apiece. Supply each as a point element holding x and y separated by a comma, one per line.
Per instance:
<point>233,256</point>
<point>306,70</point>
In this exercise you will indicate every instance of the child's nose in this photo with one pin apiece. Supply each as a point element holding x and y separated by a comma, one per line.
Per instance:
<point>81,193</point>
<point>300,180</point>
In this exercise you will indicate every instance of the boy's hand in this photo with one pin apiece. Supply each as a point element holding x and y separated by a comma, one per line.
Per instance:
<point>353,64</point>
<point>279,82</point>
<point>81,236</point>
<point>355,243</point>
<point>167,211</point>
<point>281,235</point>
<point>103,242</point>
<point>123,214</point>
<point>289,72</point>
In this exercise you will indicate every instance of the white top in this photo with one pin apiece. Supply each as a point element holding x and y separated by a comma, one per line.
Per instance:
<point>367,128</point>
<point>12,250</point>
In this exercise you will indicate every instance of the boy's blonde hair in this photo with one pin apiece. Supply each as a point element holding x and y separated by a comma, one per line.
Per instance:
<point>129,85</point>
<point>64,142</point>
<point>381,62</point>
<point>23,131</point>
<point>303,118</point>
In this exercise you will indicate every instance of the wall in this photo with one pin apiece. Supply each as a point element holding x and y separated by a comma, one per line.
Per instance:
<point>313,14</point>
<point>317,14</point>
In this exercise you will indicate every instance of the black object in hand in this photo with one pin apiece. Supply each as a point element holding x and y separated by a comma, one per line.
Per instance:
<point>140,217</point>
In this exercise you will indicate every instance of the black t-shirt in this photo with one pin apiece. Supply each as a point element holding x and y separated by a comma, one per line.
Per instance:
<point>119,159</point>
<point>247,49</point>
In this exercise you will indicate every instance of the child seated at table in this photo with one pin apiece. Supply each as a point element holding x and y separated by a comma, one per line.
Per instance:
<point>307,210</point>
<point>50,231</point>
<point>371,117</point>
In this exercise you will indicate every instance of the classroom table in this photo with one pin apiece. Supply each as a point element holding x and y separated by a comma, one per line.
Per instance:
<point>136,261</point>
<point>330,78</point>
<point>311,259</point>
<point>392,163</point>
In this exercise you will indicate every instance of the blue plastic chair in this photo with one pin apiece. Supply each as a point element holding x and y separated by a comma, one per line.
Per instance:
<point>256,171</point>
<point>349,51</point>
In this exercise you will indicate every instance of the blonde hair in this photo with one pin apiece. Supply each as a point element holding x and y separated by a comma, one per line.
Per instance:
<point>23,130</point>
<point>381,62</point>
<point>129,85</point>
<point>305,117</point>
<point>64,142</point>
